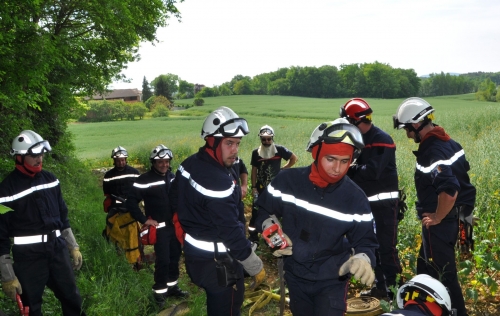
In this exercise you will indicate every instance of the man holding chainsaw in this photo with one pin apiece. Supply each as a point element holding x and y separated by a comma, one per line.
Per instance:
<point>208,196</point>
<point>320,209</point>
<point>445,195</point>
<point>375,172</point>
<point>153,187</point>
<point>34,214</point>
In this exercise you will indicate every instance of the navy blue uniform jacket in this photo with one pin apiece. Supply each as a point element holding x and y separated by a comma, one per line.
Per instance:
<point>207,205</point>
<point>317,220</point>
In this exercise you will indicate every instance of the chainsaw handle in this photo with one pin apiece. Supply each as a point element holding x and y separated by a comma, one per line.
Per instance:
<point>25,311</point>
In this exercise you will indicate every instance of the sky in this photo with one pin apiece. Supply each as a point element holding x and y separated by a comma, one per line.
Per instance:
<point>219,39</point>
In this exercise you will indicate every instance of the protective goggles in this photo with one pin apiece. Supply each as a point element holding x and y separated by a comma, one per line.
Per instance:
<point>266,131</point>
<point>233,126</point>
<point>164,154</point>
<point>339,132</point>
<point>120,154</point>
<point>397,123</point>
<point>39,148</point>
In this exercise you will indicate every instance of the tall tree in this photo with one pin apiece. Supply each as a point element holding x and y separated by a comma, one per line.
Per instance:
<point>162,88</point>
<point>53,51</point>
<point>146,90</point>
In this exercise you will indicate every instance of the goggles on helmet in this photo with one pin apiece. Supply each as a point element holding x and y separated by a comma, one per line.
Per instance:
<point>266,130</point>
<point>39,148</point>
<point>164,153</point>
<point>120,154</point>
<point>233,126</point>
<point>338,133</point>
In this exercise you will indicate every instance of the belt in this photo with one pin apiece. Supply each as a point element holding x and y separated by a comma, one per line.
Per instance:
<point>26,240</point>
<point>384,196</point>
<point>205,245</point>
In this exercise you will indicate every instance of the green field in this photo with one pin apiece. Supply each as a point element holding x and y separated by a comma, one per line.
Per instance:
<point>474,124</point>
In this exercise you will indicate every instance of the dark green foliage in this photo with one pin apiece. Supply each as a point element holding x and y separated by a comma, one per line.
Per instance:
<point>105,111</point>
<point>198,101</point>
<point>162,88</point>
<point>146,90</point>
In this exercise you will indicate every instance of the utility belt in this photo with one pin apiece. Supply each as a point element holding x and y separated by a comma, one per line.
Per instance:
<point>35,239</point>
<point>205,245</point>
<point>384,196</point>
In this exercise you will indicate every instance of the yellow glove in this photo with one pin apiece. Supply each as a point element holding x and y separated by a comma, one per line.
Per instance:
<point>359,266</point>
<point>77,258</point>
<point>284,252</point>
<point>11,288</point>
<point>257,279</point>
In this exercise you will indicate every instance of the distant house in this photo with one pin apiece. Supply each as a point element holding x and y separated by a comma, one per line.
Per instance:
<point>127,95</point>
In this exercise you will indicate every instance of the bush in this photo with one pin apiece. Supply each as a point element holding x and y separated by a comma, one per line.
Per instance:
<point>160,111</point>
<point>198,102</point>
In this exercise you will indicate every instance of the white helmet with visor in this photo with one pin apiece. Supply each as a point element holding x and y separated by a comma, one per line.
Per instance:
<point>29,143</point>
<point>119,152</point>
<point>337,131</point>
<point>223,122</point>
<point>410,111</point>
<point>266,130</point>
<point>161,152</point>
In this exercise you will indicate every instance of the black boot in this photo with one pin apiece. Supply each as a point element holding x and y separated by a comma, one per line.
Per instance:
<point>175,291</point>
<point>160,298</point>
<point>253,236</point>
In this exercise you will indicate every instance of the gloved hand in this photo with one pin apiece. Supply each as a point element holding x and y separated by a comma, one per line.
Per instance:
<point>11,288</point>
<point>257,280</point>
<point>10,284</point>
<point>359,265</point>
<point>77,258</point>
<point>254,267</point>
<point>287,251</point>
<point>73,247</point>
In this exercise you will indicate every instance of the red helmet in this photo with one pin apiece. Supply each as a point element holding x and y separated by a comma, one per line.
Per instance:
<point>356,111</point>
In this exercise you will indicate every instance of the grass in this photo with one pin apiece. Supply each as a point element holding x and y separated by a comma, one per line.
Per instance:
<point>110,287</point>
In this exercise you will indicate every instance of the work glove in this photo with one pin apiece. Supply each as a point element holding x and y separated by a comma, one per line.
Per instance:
<point>77,258</point>
<point>359,265</point>
<point>73,247</point>
<point>287,251</point>
<point>10,284</point>
<point>255,268</point>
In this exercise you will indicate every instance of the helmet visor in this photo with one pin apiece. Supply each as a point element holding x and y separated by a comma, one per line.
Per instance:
<point>120,154</point>
<point>266,131</point>
<point>39,148</point>
<point>164,153</point>
<point>342,132</point>
<point>233,127</point>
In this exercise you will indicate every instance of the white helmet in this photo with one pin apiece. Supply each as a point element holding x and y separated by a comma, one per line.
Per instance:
<point>432,287</point>
<point>29,143</point>
<point>337,131</point>
<point>223,122</point>
<point>266,130</point>
<point>412,110</point>
<point>160,152</point>
<point>119,152</point>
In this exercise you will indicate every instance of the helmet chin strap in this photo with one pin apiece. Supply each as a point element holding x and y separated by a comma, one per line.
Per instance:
<point>418,138</point>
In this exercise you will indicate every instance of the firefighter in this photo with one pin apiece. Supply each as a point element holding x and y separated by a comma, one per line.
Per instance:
<point>422,296</point>
<point>375,172</point>
<point>319,209</point>
<point>34,214</point>
<point>152,187</point>
<point>207,205</point>
<point>118,181</point>
<point>266,163</point>
<point>444,193</point>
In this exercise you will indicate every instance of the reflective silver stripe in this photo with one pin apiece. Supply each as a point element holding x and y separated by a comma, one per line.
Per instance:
<point>121,177</point>
<point>202,190</point>
<point>29,191</point>
<point>384,196</point>
<point>320,209</point>
<point>441,162</point>
<point>25,240</point>
<point>161,291</point>
<point>160,225</point>
<point>204,245</point>
<point>148,185</point>
<point>172,283</point>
